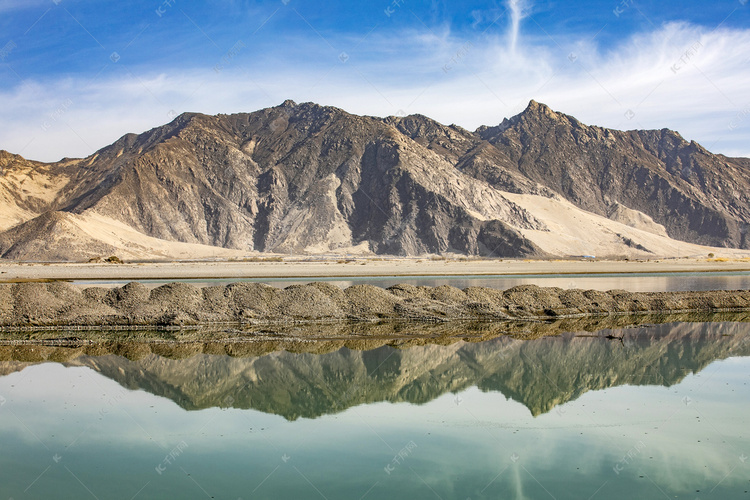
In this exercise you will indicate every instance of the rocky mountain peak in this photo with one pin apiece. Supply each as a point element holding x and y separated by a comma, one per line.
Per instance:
<point>536,107</point>
<point>536,116</point>
<point>538,112</point>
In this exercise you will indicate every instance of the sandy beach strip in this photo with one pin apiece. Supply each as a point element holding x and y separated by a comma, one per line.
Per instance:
<point>358,267</point>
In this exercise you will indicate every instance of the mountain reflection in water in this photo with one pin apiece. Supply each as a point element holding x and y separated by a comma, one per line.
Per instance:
<point>540,374</point>
<point>641,412</point>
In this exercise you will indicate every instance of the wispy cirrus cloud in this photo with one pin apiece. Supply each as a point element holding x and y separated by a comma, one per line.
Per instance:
<point>677,75</point>
<point>518,11</point>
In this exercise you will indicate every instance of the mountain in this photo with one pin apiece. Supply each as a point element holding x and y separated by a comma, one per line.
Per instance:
<point>540,373</point>
<point>312,179</point>
<point>695,195</point>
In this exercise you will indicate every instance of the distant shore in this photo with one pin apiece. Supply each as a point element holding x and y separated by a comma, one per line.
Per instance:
<point>345,267</point>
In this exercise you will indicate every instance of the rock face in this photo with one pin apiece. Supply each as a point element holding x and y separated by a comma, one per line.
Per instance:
<point>306,178</point>
<point>181,304</point>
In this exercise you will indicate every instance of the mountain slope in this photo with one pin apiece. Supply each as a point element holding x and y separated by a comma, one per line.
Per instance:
<point>695,195</point>
<point>312,179</point>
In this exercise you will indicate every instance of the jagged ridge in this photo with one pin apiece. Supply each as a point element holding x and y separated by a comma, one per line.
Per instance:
<point>308,178</point>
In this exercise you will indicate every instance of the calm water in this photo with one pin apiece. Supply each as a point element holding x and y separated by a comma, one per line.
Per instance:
<point>662,413</point>
<point>639,282</point>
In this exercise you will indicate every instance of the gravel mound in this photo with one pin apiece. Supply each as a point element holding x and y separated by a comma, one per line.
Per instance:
<point>175,304</point>
<point>251,300</point>
<point>370,302</point>
<point>307,302</point>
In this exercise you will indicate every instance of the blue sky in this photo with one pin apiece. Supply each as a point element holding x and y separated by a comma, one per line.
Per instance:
<point>77,74</point>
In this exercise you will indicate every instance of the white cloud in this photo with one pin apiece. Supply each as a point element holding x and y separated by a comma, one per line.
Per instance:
<point>518,11</point>
<point>679,76</point>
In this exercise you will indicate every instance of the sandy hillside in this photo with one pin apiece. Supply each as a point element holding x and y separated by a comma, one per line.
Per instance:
<point>568,231</point>
<point>573,231</point>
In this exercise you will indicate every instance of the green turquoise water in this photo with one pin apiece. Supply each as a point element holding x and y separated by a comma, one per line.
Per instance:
<point>663,412</point>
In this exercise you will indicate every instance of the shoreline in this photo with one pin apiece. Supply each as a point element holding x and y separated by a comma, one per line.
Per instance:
<point>40,345</point>
<point>355,268</point>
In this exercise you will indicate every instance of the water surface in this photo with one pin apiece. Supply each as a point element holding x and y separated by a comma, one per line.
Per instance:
<point>634,282</point>
<point>662,411</point>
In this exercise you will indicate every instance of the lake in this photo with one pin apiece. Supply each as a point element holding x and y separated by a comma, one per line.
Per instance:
<point>659,411</point>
